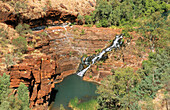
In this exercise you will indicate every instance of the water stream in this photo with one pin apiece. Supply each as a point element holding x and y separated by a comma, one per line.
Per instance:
<point>92,59</point>
<point>73,85</point>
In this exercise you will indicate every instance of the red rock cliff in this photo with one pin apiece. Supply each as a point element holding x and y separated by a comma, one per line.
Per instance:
<point>37,72</point>
<point>40,12</point>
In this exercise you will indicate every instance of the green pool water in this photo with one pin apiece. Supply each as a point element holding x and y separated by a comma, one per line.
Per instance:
<point>71,87</point>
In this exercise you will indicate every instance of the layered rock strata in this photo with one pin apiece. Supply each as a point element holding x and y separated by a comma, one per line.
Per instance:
<point>42,12</point>
<point>38,74</point>
<point>70,44</point>
<point>58,55</point>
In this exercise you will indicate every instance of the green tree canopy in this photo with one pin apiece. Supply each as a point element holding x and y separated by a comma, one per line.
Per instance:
<point>115,90</point>
<point>10,102</point>
<point>23,96</point>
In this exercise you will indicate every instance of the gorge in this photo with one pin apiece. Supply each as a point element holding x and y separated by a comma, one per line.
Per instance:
<point>58,55</point>
<point>61,49</point>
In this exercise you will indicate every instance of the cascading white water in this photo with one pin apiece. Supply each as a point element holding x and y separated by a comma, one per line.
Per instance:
<point>116,44</point>
<point>81,73</point>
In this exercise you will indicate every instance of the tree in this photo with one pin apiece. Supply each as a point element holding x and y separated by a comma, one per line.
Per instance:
<point>7,100</point>
<point>156,74</point>
<point>115,91</point>
<point>102,12</point>
<point>125,89</point>
<point>4,87</point>
<point>23,96</point>
<point>154,30</point>
<point>125,12</point>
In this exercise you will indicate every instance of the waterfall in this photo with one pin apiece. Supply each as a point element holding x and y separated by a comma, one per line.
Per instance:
<point>117,42</point>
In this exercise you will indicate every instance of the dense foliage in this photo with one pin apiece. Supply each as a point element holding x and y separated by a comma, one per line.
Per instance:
<point>115,91</point>
<point>122,12</point>
<point>23,96</point>
<point>10,102</point>
<point>125,89</point>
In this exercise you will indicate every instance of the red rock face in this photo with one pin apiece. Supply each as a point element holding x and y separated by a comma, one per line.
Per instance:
<point>45,12</point>
<point>37,73</point>
<point>62,51</point>
<point>69,46</point>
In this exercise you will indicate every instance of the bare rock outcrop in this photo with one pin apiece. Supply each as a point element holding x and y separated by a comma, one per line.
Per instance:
<point>37,73</point>
<point>38,12</point>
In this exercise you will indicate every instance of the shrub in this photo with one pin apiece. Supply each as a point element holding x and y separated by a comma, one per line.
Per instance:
<point>90,76</point>
<point>20,43</point>
<point>9,59</point>
<point>23,96</point>
<point>74,102</point>
<point>23,29</point>
<point>104,22</point>
<point>18,6</point>
<point>80,17</point>
<point>3,37</point>
<point>62,107</point>
<point>98,50</point>
<point>125,33</point>
<point>88,19</point>
<point>82,32</point>
<point>98,24</point>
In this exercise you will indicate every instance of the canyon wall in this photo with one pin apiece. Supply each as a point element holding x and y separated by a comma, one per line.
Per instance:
<point>79,41</point>
<point>37,72</point>
<point>58,55</point>
<point>44,12</point>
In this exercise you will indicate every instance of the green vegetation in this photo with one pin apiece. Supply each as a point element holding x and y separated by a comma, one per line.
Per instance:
<point>73,102</point>
<point>21,44</point>
<point>124,12</point>
<point>149,17</point>
<point>125,89</point>
<point>115,91</point>
<point>19,6</point>
<point>3,37</point>
<point>70,53</point>
<point>23,29</point>
<point>82,32</point>
<point>90,76</point>
<point>23,96</point>
<point>98,50</point>
<point>89,105</point>
<point>155,31</point>
<point>10,102</point>
<point>9,60</point>
<point>80,18</point>
<point>62,107</point>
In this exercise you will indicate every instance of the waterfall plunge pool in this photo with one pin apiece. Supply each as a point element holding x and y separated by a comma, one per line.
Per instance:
<point>73,86</point>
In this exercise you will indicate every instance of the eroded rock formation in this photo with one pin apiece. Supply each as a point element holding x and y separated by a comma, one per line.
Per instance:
<point>37,72</point>
<point>41,12</point>
<point>58,55</point>
<point>69,46</point>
